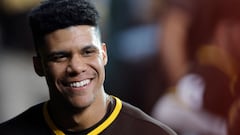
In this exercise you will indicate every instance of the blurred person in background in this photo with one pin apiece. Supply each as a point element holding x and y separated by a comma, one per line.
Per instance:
<point>133,31</point>
<point>201,95</point>
<point>181,106</point>
<point>175,22</point>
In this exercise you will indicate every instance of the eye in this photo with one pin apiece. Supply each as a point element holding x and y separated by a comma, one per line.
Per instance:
<point>89,52</point>
<point>58,57</point>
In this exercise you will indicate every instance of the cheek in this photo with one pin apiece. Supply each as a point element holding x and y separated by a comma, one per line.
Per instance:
<point>98,61</point>
<point>99,66</point>
<point>55,71</point>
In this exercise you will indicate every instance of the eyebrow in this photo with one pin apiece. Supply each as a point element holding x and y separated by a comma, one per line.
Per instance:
<point>89,47</point>
<point>51,54</point>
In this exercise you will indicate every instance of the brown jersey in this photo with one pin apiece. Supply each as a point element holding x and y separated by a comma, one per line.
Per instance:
<point>121,119</point>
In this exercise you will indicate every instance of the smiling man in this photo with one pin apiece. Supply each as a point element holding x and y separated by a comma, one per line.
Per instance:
<point>72,58</point>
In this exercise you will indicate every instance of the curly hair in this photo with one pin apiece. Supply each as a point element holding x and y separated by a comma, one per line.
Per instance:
<point>52,15</point>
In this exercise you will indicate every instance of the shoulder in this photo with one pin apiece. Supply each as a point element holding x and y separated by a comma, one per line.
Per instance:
<point>140,123</point>
<point>133,112</point>
<point>24,122</point>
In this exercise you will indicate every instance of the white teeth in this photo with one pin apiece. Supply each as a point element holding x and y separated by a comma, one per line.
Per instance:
<point>80,84</point>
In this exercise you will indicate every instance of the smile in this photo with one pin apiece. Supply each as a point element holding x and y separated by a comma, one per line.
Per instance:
<point>79,84</point>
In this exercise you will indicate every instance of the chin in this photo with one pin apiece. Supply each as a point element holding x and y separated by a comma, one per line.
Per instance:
<point>81,102</point>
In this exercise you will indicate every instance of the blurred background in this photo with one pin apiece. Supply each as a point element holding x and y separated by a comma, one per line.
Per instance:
<point>177,60</point>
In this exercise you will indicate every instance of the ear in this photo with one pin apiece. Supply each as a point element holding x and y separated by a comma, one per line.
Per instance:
<point>38,66</point>
<point>104,53</point>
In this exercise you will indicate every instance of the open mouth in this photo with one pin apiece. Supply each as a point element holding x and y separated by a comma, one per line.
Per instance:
<point>79,84</point>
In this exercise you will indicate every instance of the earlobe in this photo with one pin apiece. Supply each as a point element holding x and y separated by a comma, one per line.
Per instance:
<point>104,53</point>
<point>38,66</point>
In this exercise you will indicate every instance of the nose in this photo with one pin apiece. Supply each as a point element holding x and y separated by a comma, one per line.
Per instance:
<point>76,66</point>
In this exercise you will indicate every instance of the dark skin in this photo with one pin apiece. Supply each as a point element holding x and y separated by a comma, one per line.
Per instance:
<point>73,61</point>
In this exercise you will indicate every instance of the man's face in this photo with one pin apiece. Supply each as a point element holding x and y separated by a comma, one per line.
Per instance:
<point>73,63</point>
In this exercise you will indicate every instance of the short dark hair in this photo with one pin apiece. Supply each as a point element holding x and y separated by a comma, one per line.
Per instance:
<point>52,15</point>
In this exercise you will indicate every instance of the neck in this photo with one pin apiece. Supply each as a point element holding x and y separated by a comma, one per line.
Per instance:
<point>77,119</point>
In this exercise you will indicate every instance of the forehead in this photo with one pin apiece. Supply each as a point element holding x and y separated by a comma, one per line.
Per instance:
<point>78,35</point>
